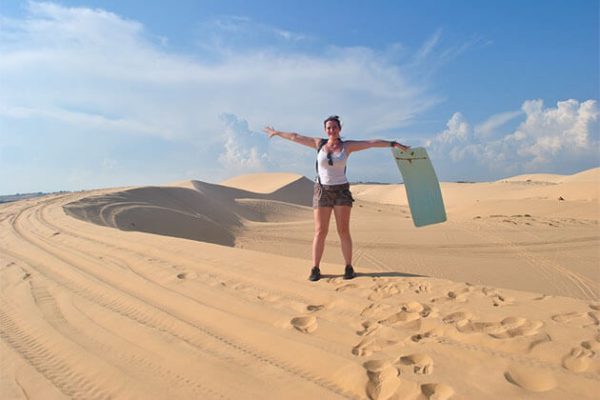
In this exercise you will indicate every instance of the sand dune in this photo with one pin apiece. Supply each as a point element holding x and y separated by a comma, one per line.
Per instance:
<point>590,175</point>
<point>263,183</point>
<point>192,210</point>
<point>198,291</point>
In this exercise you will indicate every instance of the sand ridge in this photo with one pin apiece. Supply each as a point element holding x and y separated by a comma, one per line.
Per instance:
<point>90,311</point>
<point>192,210</point>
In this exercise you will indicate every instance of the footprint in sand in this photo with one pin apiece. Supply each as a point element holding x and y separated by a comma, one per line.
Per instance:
<point>497,298</point>
<point>512,327</point>
<point>370,345</point>
<point>306,324</point>
<point>385,382</point>
<point>500,300</point>
<point>419,364</point>
<point>346,287</point>
<point>385,290</point>
<point>409,312</point>
<point>508,328</point>
<point>580,358</point>
<point>315,307</point>
<point>375,310</point>
<point>383,379</point>
<point>593,345</point>
<point>420,287</point>
<point>457,296</point>
<point>458,317</point>
<point>568,317</point>
<point>369,327</point>
<point>530,379</point>
<point>579,317</point>
<point>595,317</point>
<point>437,391</point>
<point>433,336</point>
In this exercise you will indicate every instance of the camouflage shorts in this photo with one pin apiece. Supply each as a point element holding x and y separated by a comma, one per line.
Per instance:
<point>332,195</point>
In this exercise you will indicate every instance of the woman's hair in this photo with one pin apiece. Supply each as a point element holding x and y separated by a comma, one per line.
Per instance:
<point>333,118</point>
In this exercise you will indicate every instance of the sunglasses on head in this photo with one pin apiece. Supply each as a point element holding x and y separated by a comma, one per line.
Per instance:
<point>329,159</point>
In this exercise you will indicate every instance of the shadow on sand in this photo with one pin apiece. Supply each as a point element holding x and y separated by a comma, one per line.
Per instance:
<point>377,275</point>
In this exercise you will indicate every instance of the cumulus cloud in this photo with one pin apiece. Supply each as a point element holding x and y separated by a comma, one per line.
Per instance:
<point>245,151</point>
<point>547,132</point>
<point>565,136</point>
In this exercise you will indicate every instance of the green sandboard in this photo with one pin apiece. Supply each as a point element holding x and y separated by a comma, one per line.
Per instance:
<point>422,186</point>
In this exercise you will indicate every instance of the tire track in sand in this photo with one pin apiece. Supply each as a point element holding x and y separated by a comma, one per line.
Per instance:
<point>78,276</point>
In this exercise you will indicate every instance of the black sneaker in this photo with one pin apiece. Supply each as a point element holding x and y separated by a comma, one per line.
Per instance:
<point>349,272</point>
<point>315,274</point>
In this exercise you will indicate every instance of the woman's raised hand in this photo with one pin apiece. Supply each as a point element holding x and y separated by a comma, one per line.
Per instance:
<point>270,131</point>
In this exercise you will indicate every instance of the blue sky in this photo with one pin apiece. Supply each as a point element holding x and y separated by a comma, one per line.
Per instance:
<point>115,93</point>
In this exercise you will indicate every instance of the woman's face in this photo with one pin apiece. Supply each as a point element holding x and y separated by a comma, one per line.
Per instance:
<point>332,129</point>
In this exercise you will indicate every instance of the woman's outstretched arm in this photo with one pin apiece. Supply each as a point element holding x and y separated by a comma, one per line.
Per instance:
<point>294,137</point>
<point>357,145</point>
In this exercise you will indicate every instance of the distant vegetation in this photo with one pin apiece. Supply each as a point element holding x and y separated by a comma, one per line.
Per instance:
<point>22,196</point>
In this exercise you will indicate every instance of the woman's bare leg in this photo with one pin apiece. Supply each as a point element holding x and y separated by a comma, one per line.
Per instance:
<point>342,221</point>
<point>322,216</point>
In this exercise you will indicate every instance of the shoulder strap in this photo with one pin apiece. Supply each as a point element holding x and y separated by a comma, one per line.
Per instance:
<point>319,147</point>
<point>321,144</point>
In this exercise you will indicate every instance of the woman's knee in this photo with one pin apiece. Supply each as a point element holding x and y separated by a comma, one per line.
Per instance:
<point>321,232</point>
<point>343,231</point>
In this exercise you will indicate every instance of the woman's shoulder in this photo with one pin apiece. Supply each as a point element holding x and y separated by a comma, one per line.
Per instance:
<point>322,142</point>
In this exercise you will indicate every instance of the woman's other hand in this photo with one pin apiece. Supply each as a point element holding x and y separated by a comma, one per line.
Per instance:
<point>400,146</point>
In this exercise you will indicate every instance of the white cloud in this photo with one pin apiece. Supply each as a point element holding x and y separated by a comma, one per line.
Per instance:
<point>490,126</point>
<point>458,130</point>
<point>566,128</point>
<point>565,136</point>
<point>230,28</point>
<point>456,141</point>
<point>435,53</point>
<point>60,60</point>
<point>428,47</point>
<point>79,71</point>
<point>245,151</point>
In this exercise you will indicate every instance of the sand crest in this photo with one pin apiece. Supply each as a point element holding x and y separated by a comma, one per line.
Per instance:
<point>198,290</point>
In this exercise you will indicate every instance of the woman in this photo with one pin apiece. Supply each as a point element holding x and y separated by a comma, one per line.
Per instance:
<point>332,190</point>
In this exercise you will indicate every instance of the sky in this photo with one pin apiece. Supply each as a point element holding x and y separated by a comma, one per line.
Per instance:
<point>117,93</point>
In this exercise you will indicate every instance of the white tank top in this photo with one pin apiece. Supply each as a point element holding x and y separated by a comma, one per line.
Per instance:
<point>332,174</point>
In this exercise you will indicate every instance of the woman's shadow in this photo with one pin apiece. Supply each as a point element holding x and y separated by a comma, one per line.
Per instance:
<point>377,275</point>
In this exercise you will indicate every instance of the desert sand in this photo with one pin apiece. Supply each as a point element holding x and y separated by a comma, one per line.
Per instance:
<point>195,290</point>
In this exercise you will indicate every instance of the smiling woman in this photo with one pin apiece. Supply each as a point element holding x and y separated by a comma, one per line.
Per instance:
<point>332,189</point>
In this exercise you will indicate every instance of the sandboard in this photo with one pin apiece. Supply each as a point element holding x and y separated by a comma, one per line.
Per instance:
<point>422,186</point>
